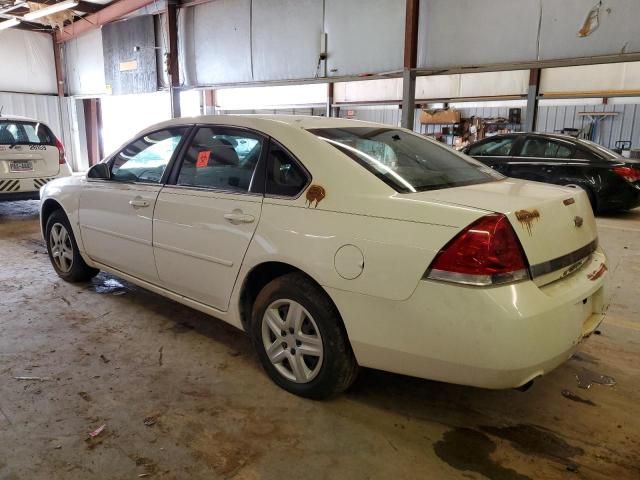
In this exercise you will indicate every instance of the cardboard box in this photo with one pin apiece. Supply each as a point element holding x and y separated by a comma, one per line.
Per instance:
<point>439,116</point>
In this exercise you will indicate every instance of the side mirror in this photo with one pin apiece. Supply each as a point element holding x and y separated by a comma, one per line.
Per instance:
<point>101,171</point>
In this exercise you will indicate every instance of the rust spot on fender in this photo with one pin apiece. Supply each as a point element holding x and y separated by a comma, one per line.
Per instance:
<point>527,217</point>
<point>569,201</point>
<point>596,274</point>
<point>315,194</point>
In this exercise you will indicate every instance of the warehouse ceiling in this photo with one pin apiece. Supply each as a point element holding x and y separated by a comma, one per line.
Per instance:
<point>45,15</point>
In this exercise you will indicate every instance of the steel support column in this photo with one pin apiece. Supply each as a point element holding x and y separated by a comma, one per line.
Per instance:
<point>330,99</point>
<point>410,61</point>
<point>172,57</point>
<point>532,100</point>
<point>209,96</point>
<point>93,127</point>
<point>57,58</point>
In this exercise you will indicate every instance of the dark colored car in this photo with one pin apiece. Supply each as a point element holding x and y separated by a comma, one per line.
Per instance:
<point>611,181</point>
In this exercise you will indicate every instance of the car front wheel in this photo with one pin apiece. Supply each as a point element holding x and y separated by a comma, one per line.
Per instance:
<point>63,250</point>
<point>300,339</point>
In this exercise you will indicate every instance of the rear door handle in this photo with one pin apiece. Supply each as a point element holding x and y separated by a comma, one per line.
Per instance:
<point>237,217</point>
<point>138,203</point>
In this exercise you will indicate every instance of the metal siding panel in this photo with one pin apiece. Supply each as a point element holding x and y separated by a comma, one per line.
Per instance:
<point>118,42</point>
<point>616,128</point>
<point>28,63</point>
<point>449,33</point>
<point>217,40</point>
<point>619,28</point>
<point>626,125</point>
<point>541,119</point>
<point>282,48</point>
<point>364,36</point>
<point>635,132</point>
<point>84,62</point>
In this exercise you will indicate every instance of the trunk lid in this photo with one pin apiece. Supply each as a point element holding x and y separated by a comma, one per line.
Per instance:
<point>555,225</point>
<point>23,162</point>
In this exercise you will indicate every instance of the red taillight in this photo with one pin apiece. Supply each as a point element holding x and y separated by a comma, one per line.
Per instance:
<point>487,252</point>
<point>62,159</point>
<point>630,174</point>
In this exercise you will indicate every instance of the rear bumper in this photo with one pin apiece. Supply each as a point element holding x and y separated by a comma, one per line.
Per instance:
<point>498,337</point>
<point>626,197</point>
<point>16,196</point>
<point>24,188</point>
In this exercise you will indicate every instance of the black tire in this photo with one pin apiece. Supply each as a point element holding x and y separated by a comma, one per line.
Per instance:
<point>338,367</point>
<point>78,271</point>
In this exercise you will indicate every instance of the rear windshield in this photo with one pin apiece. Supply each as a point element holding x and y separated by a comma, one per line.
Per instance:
<point>405,161</point>
<point>24,133</point>
<point>604,152</point>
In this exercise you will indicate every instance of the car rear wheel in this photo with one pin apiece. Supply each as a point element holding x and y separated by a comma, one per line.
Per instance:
<point>63,250</point>
<point>300,340</point>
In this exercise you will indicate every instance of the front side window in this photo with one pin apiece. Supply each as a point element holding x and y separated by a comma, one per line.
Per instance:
<point>146,159</point>
<point>221,158</point>
<point>407,162</point>
<point>544,148</point>
<point>25,133</point>
<point>496,147</point>
<point>285,176</point>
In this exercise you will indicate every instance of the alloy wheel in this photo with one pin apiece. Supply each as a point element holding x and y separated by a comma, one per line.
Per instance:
<point>61,247</point>
<point>292,341</point>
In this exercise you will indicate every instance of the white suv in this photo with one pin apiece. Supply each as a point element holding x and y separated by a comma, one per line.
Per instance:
<point>30,157</point>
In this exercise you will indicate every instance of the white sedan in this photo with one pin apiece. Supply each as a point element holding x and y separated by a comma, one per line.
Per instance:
<point>337,244</point>
<point>30,157</point>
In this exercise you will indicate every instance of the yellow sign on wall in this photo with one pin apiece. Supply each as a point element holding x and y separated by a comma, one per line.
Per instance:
<point>128,66</point>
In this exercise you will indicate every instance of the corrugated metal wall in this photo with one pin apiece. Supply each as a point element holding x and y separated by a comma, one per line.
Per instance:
<point>387,114</point>
<point>316,111</point>
<point>624,126</point>
<point>45,108</point>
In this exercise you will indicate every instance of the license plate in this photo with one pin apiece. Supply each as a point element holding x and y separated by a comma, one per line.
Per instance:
<point>21,166</point>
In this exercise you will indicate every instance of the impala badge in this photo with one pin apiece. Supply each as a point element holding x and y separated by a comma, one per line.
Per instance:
<point>578,221</point>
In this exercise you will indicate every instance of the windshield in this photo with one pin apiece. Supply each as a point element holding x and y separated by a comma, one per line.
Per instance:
<point>405,161</point>
<point>24,133</point>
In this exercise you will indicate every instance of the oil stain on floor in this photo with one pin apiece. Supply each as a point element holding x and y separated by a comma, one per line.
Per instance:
<point>468,449</point>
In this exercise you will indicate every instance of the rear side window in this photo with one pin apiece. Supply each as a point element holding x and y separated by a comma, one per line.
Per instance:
<point>25,133</point>
<point>221,158</point>
<point>496,147</point>
<point>146,159</point>
<point>285,176</point>
<point>405,161</point>
<point>544,148</point>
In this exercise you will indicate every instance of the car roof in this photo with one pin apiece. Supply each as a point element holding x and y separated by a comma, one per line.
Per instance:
<point>17,118</point>
<point>559,136</point>
<point>259,122</point>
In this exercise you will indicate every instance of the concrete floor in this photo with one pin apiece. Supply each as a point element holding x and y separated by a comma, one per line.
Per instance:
<point>183,396</point>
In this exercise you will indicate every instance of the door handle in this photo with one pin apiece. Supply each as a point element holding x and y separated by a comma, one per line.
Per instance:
<point>237,217</point>
<point>138,203</point>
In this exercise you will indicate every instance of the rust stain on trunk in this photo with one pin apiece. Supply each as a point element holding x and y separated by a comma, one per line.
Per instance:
<point>527,217</point>
<point>596,274</point>
<point>315,194</point>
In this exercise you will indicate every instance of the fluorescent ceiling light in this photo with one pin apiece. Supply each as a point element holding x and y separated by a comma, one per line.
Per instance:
<point>9,23</point>
<point>50,10</point>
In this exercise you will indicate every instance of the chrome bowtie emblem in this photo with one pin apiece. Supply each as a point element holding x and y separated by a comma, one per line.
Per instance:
<point>578,221</point>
